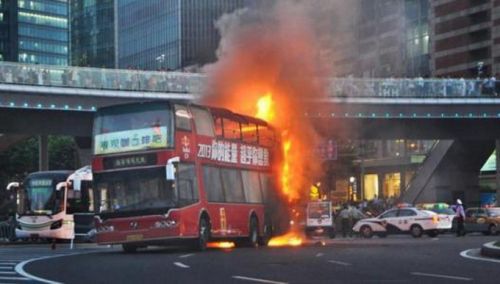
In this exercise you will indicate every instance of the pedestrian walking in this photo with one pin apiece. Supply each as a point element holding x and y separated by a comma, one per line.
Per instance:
<point>460,216</point>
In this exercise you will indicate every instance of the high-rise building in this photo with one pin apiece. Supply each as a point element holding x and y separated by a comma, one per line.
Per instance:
<point>169,34</point>
<point>92,32</point>
<point>465,38</point>
<point>8,31</point>
<point>386,38</point>
<point>42,28</point>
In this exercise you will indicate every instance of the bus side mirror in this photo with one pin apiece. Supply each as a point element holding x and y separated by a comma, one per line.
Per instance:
<point>12,185</point>
<point>170,168</point>
<point>61,185</point>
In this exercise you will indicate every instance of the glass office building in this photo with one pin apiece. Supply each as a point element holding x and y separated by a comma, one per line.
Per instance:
<point>8,31</point>
<point>42,27</point>
<point>92,33</point>
<point>169,34</point>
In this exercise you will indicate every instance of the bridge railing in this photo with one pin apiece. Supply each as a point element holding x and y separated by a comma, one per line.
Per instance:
<point>192,83</point>
<point>100,78</point>
<point>419,88</point>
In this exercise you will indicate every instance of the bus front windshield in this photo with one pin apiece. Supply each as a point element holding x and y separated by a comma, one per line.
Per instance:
<point>40,197</point>
<point>131,128</point>
<point>135,191</point>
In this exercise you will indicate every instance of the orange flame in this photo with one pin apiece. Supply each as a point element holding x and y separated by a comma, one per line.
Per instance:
<point>222,245</point>
<point>265,107</point>
<point>288,239</point>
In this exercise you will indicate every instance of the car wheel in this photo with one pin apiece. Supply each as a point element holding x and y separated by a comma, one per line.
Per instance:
<point>366,231</point>
<point>492,229</point>
<point>416,231</point>
<point>432,233</point>
<point>128,248</point>
<point>203,234</point>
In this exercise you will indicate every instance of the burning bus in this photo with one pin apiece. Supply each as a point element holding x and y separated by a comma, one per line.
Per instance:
<point>169,172</point>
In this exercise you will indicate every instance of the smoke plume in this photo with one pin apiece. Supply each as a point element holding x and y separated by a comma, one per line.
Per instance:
<point>276,50</point>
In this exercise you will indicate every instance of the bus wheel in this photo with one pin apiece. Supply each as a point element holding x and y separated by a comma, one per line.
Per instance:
<point>128,248</point>
<point>204,234</point>
<point>253,233</point>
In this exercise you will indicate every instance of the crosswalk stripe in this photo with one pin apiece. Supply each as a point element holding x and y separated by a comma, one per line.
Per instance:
<point>14,278</point>
<point>7,272</point>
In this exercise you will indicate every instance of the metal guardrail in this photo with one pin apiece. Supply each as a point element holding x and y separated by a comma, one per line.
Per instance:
<point>193,83</point>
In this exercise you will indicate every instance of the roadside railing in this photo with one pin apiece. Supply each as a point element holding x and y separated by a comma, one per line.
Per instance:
<point>6,231</point>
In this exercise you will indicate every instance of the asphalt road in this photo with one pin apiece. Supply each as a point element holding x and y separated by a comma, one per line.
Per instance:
<point>395,259</point>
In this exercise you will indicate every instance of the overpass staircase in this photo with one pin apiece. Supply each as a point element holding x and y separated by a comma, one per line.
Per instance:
<point>448,168</point>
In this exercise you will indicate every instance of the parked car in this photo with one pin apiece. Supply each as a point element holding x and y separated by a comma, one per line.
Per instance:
<point>485,220</point>
<point>403,221</point>
<point>442,209</point>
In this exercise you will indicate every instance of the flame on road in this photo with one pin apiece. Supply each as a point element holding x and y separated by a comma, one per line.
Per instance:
<point>289,239</point>
<point>222,245</point>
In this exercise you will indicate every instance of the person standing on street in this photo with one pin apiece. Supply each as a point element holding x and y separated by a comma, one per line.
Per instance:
<point>344,218</point>
<point>460,217</point>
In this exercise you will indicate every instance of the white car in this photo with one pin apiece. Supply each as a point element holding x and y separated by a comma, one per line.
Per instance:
<point>403,220</point>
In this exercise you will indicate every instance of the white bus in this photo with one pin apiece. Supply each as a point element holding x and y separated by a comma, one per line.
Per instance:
<point>54,205</point>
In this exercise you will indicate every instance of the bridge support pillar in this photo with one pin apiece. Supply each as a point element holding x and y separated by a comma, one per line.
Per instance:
<point>497,148</point>
<point>43,153</point>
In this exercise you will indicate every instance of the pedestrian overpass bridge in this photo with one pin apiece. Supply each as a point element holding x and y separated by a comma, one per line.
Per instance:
<point>43,99</point>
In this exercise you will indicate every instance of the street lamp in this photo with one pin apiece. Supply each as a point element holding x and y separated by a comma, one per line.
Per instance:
<point>352,188</point>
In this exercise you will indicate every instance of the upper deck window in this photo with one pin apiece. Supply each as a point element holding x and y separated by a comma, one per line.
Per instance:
<point>203,121</point>
<point>182,118</point>
<point>231,129</point>
<point>132,128</point>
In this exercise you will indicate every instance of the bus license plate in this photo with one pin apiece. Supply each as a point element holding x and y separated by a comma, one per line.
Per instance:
<point>135,237</point>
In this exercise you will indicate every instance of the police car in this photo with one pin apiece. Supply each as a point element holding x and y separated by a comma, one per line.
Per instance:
<point>401,221</point>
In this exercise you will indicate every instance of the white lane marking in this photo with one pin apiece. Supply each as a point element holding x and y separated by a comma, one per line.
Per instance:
<point>442,276</point>
<point>20,266</point>
<point>339,262</point>
<point>186,255</point>
<point>465,254</point>
<point>319,254</point>
<point>7,272</point>
<point>7,263</point>
<point>180,264</point>
<point>6,267</point>
<point>14,278</point>
<point>258,280</point>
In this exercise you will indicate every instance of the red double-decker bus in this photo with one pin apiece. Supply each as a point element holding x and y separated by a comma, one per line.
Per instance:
<point>170,171</point>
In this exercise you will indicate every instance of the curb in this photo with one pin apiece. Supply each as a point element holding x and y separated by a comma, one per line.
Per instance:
<point>490,250</point>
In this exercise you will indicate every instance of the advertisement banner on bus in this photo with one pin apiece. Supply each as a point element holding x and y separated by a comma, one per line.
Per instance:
<point>130,140</point>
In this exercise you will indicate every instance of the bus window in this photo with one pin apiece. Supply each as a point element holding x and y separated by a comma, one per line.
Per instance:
<point>218,127</point>
<point>266,136</point>
<point>187,184</point>
<point>182,118</point>
<point>213,185</point>
<point>249,132</point>
<point>231,129</point>
<point>203,121</point>
<point>251,185</point>
<point>265,184</point>
<point>233,186</point>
